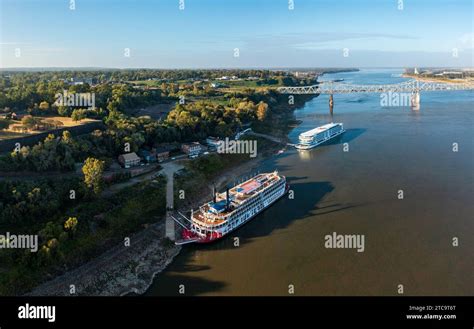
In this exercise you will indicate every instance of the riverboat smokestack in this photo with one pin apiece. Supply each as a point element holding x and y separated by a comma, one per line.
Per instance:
<point>227,198</point>
<point>214,193</point>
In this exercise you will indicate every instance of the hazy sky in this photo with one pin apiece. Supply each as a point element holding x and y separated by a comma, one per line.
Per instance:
<point>376,33</point>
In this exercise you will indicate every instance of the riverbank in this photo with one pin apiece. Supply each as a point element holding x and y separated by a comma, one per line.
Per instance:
<point>468,81</point>
<point>119,271</point>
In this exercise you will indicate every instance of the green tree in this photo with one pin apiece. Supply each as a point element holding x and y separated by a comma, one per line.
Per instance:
<point>67,137</point>
<point>44,106</point>
<point>92,170</point>
<point>164,87</point>
<point>4,124</point>
<point>262,110</point>
<point>29,121</point>
<point>63,111</point>
<point>50,231</point>
<point>70,225</point>
<point>78,114</point>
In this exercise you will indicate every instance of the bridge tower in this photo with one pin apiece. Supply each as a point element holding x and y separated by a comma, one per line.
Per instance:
<point>415,100</point>
<point>331,103</point>
<point>415,96</point>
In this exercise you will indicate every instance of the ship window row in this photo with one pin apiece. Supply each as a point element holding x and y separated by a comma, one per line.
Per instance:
<point>278,185</point>
<point>320,136</point>
<point>273,188</point>
<point>246,215</point>
<point>257,198</point>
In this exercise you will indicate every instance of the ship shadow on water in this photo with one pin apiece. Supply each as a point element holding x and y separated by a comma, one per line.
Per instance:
<point>348,136</point>
<point>306,198</point>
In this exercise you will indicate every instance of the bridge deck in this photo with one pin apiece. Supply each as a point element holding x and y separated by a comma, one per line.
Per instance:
<point>412,86</point>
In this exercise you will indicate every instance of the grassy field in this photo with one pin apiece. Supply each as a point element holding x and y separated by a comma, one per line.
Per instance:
<point>15,129</point>
<point>149,83</point>
<point>239,85</point>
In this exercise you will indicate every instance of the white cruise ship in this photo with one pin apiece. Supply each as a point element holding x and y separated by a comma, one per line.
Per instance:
<point>319,135</point>
<point>233,208</point>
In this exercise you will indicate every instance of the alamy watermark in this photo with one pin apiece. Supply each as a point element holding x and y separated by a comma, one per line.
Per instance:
<point>345,241</point>
<point>394,99</point>
<point>14,241</point>
<point>230,146</point>
<point>83,100</point>
<point>28,311</point>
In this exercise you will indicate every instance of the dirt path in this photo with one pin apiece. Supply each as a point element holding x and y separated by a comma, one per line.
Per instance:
<point>169,170</point>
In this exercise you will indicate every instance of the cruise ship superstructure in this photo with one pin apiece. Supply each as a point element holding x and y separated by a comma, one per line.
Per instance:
<point>319,135</point>
<point>234,207</point>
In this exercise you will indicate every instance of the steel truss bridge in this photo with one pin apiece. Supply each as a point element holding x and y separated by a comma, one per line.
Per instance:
<point>411,86</point>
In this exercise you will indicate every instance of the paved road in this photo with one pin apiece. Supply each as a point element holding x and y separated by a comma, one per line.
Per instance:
<point>269,137</point>
<point>169,169</point>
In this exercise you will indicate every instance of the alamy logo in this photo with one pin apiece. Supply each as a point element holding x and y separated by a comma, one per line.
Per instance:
<point>393,99</point>
<point>86,100</point>
<point>238,147</point>
<point>14,241</point>
<point>347,241</point>
<point>37,312</point>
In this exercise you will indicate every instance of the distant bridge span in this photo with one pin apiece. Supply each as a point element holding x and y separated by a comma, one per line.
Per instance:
<point>412,86</point>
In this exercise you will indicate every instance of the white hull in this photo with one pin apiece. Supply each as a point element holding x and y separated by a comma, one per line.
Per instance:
<point>313,145</point>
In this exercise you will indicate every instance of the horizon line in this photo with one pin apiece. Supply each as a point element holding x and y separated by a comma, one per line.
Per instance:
<point>99,68</point>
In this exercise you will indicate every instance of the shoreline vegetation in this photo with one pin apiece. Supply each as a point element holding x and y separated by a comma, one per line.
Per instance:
<point>113,243</point>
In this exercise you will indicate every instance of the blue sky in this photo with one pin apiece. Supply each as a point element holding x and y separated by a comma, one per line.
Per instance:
<point>46,33</point>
